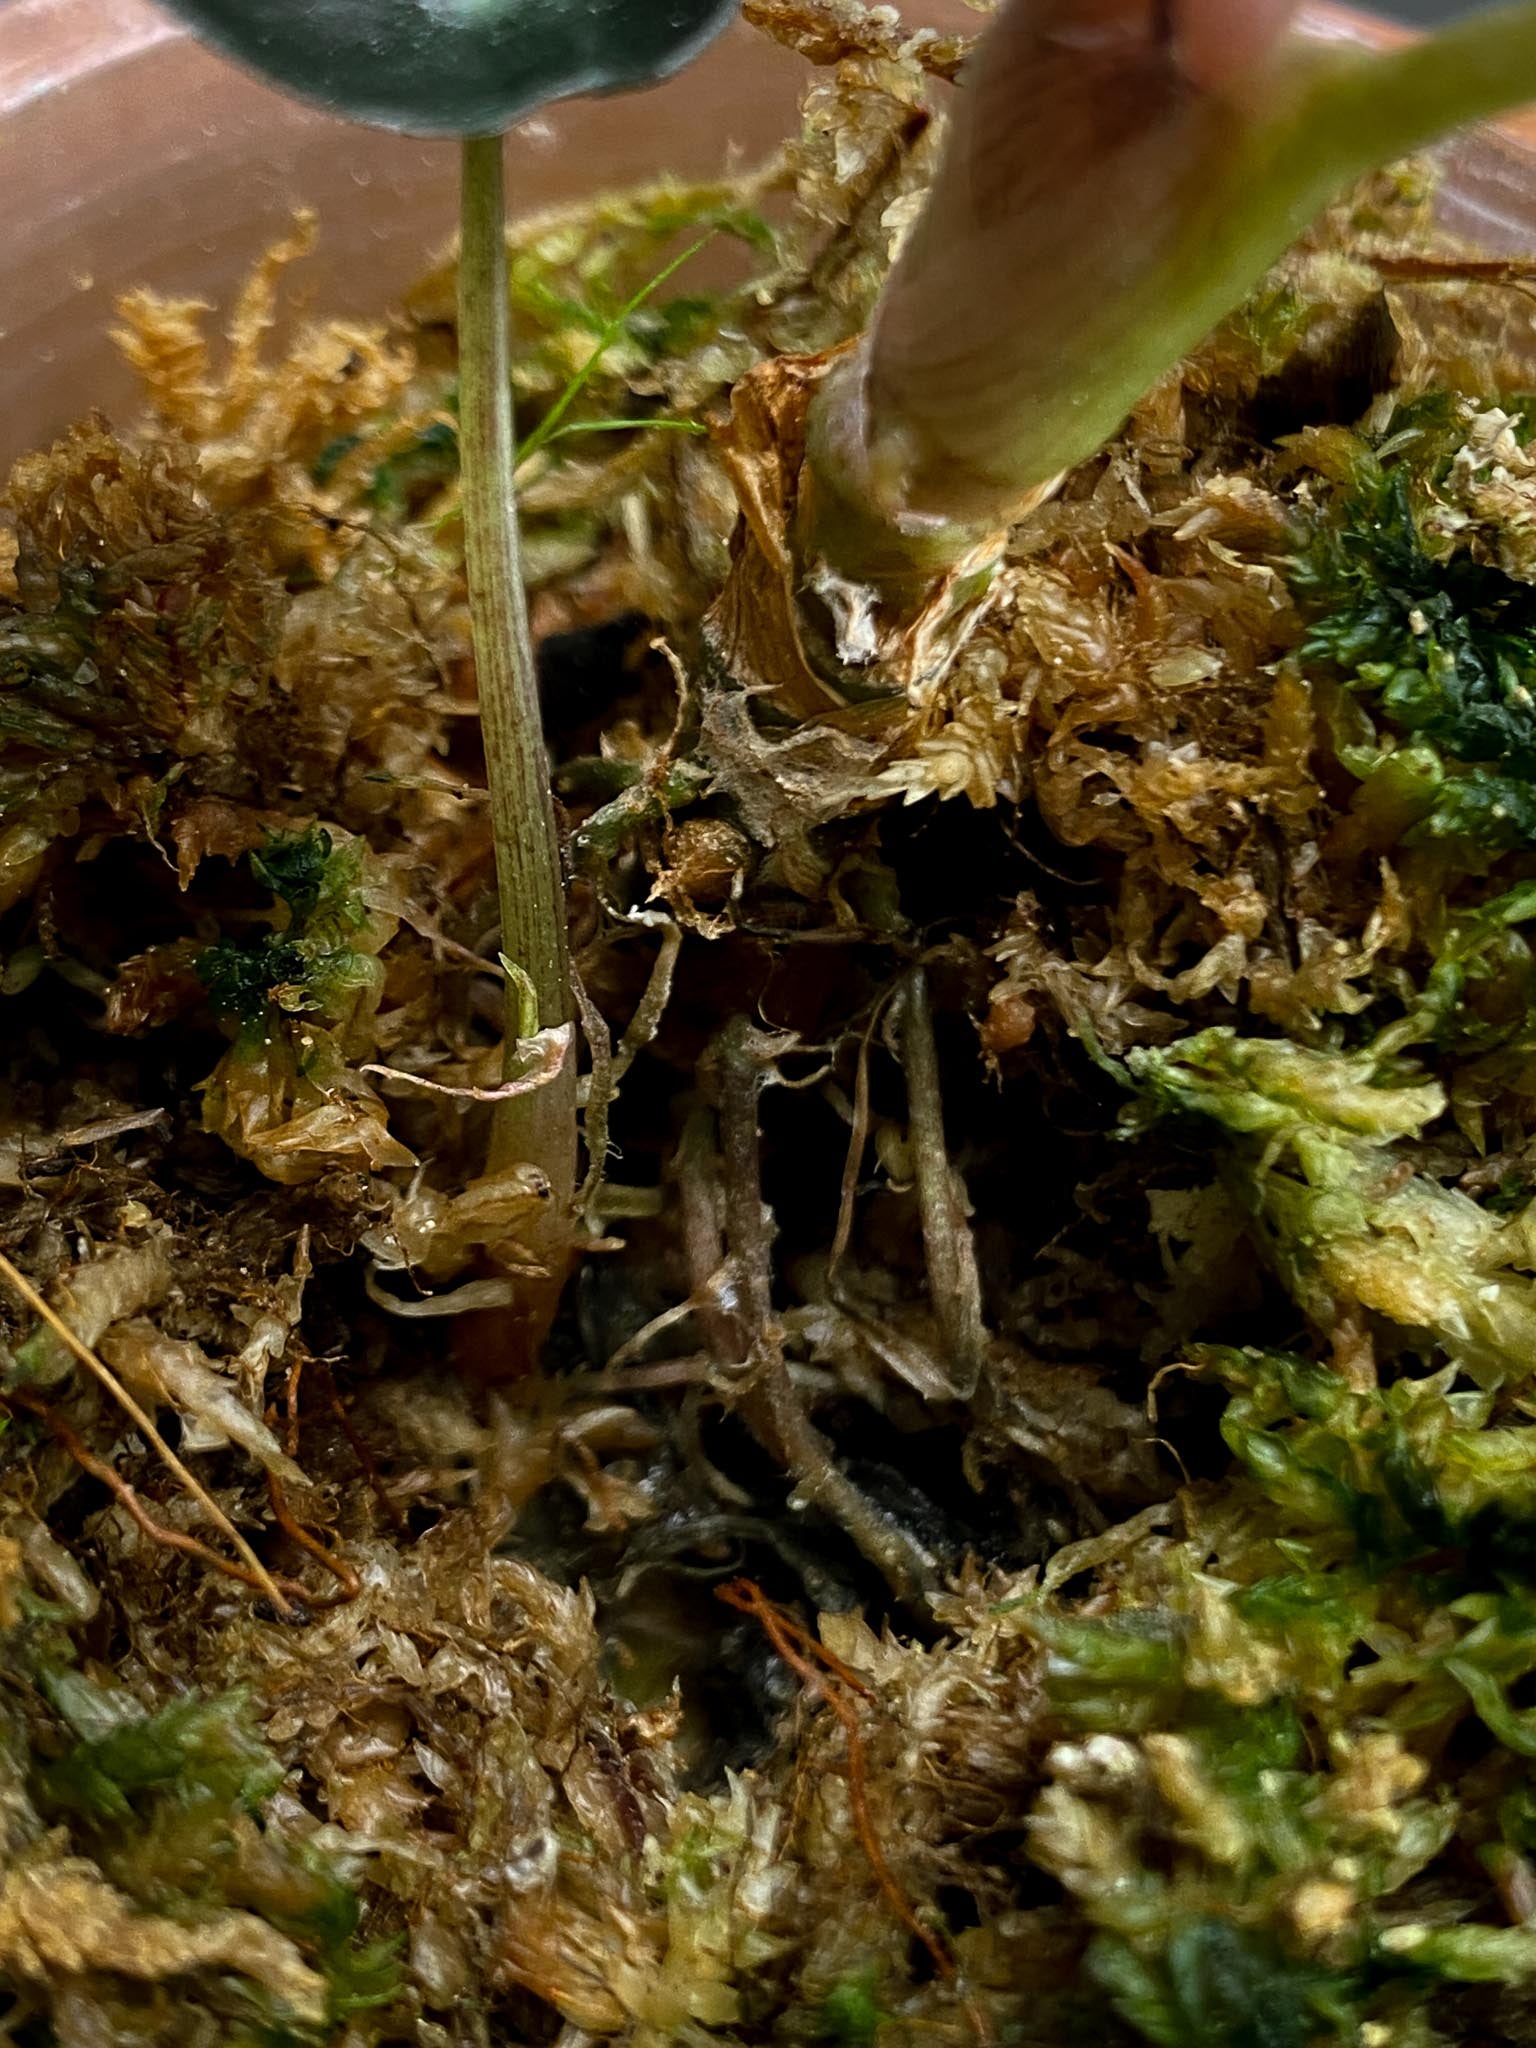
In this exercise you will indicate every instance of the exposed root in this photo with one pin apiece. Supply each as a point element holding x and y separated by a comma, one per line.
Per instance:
<point>858,1141</point>
<point>553,1049</point>
<point>595,1093</point>
<point>346,1578</point>
<point>953,1281</point>
<point>646,1022</point>
<point>740,1062</point>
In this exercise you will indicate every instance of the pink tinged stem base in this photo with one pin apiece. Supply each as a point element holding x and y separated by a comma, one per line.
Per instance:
<point>1101,206</point>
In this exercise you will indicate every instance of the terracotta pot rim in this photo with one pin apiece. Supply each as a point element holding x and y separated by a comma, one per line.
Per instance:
<point>50,43</point>
<point>138,158</point>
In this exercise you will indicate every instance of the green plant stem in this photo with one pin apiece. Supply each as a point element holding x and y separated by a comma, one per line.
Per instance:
<point>539,1128</point>
<point>1005,352</point>
<point>1468,72</point>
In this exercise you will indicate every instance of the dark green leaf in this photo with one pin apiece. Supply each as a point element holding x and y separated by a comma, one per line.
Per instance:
<point>455,67</point>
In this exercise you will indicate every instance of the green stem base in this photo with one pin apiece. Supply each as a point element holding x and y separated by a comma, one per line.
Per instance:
<point>537,1129</point>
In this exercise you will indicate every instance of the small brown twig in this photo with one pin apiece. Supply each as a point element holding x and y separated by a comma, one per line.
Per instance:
<point>255,1572</point>
<point>610,1062</point>
<point>284,1593</point>
<point>291,1401</point>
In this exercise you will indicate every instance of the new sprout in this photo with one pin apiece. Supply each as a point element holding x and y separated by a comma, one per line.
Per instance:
<point>470,68</point>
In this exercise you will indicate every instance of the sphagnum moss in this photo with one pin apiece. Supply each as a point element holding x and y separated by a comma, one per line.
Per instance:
<point>1202,844</point>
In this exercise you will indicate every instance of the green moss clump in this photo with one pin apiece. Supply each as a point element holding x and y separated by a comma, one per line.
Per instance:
<point>1439,642</point>
<point>312,965</point>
